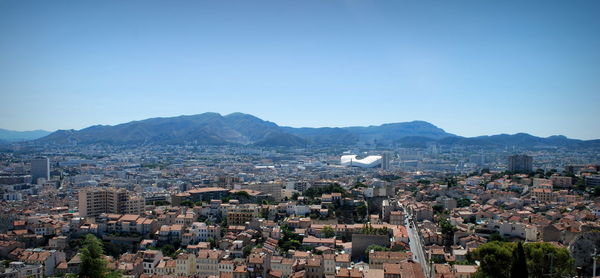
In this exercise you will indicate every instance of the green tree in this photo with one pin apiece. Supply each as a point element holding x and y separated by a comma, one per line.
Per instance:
<point>187,203</point>
<point>595,192</point>
<point>550,173</point>
<point>547,260</point>
<point>472,219</point>
<point>246,250</point>
<point>463,202</point>
<point>291,244</point>
<point>437,208</point>
<point>362,211</point>
<point>451,181</point>
<point>212,242</point>
<point>496,237</point>
<point>295,196</point>
<point>318,191</point>
<point>112,249</point>
<point>447,232</point>
<point>168,250</point>
<point>93,264</point>
<point>241,194</point>
<point>289,240</point>
<point>580,183</point>
<point>424,182</point>
<point>359,184</point>
<point>495,260</point>
<point>539,173</point>
<point>518,268</point>
<point>328,231</point>
<point>367,229</point>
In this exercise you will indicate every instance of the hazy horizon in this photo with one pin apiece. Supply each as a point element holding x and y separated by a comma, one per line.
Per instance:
<point>469,67</point>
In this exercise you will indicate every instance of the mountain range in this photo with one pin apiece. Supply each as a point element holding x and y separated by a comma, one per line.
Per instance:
<point>245,129</point>
<point>16,136</point>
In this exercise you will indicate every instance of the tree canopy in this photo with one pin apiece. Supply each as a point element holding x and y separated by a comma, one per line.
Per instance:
<point>495,258</point>
<point>289,240</point>
<point>547,260</point>
<point>535,259</point>
<point>437,208</point>
<point>463,202</point>
<point>93,264</point>
<point>328,231</point>
<point>318,191</point>
<point>447,232</point>
<point>368,229</point>
<point>362,210</point>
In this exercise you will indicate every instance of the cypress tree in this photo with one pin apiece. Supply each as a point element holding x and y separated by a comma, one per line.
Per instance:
<point>519,263</point>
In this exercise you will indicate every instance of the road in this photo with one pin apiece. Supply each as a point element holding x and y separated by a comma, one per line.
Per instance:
<point>416,246</point>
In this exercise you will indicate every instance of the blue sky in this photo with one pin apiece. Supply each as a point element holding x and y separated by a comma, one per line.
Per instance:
<point>471,67</point>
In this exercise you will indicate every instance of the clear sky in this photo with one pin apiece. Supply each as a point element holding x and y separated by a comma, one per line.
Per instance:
<point>470,67</point>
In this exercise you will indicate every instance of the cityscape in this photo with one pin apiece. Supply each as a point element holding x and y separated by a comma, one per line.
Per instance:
<point>310,139</point>
<point>306,209</point>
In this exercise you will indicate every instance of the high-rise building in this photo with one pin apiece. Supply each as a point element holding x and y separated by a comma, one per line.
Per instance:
<point>94,201</point>
<point>40,168</point>
<point>385,161</point>
<point>478,159</point>
<point>520,163</point>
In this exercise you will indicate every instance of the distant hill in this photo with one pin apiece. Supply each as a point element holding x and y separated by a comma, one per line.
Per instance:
<point>16,136</point>
<point>520,139</point>
<point>382,134</point>
<point>244,129</point>
<point>206,129</point>
<point>236,128</point>
<point>324,135</point>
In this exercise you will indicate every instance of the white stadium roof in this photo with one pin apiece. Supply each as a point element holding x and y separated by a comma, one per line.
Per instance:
<point>367,162</point>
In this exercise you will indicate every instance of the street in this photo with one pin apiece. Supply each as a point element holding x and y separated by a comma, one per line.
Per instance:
<point>416,247</point>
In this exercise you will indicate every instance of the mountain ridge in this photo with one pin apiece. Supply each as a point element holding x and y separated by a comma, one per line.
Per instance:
<point>7,135</point>
<point>244,129</point>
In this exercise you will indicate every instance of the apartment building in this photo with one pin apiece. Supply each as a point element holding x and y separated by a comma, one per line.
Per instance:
<point>40,168</point>
<point>520,163</point>
<point>542,195</point>
<point>270,188</point>
<point>561,181</point>
<point>94,201</point>
<point>240,214</point>
<point>396,218</point>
